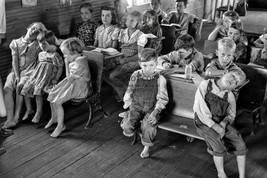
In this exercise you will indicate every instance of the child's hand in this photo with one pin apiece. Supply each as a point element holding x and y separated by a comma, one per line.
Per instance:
<point>167,65</point>
<point>219,129</point>
<point>125,106</point>
<point>152,118</point>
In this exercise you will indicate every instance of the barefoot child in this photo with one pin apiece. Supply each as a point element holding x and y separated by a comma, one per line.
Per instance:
<point>46,73</point>
<point>145,97</point>
<point>24,55</point>
<point>215,112</point>
<point>74,86</point>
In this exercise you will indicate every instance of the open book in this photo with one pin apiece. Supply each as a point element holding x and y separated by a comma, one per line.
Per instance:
<point>107,51</point>
<point>172,25</point>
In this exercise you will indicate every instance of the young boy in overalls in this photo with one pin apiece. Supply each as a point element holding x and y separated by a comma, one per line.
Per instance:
<point>215,111</point>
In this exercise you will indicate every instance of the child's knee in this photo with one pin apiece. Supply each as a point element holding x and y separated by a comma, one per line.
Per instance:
<point>127,127</point>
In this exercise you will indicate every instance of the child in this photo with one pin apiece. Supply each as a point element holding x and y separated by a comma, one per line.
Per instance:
<point>151,25</point>
<point>74,86</point>
<point>182,18</point>
<point>241,7</point>
<point>46,73</point>
<point>261,58</point>
<point>224,63</point>
<point>215,112</point>
<point>130,44</point>
<point>107,34</point>
<point>24,55</point>
<point>145,97</point>
<point>185,53</point>
<point>155,5</point>
<point>85,30</point>
<point>121,12</point>
<point>221,29</point>
<point>235,31</point>
<point>259,42</point>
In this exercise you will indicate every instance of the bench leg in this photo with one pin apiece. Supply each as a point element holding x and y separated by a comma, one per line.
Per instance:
<point>88,123</point>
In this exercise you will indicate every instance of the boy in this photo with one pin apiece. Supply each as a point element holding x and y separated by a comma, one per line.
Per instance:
<point>185,53</point>
<point>146,96</point>
<point>221,30</point>
<point>155,5</point>
<point>215,111</point>
<point>224,62</point>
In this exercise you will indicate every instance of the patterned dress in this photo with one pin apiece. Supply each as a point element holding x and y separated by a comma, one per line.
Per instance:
<point>45,71</point>
<point>105,36</point>
<point>76,86</point>
<point>85,31</point>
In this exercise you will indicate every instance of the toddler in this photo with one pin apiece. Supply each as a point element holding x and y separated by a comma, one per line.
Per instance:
<point>145,97</point>
<point>76,85</point>
<point>215,112</point>
<point>46,73</point>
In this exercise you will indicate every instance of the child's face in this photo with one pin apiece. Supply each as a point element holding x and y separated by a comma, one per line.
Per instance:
<point>120,8</point>
<point>225,57</point>
<point>33,31</point>
<point>68,55</point>
<point>44,45</point>
<point>155,5</point>
<point>234,34</point>
<point>180,7</point>
<point>85,14</point>
<point>227,21</point>
<point>106,17</point>
<point>183,53</point>
<point>230,81</point>
<point>148,67</point>
<point>131,22</point>
<point>148,19</point>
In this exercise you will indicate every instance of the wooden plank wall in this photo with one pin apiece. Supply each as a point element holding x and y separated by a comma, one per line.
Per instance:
<point>55,17</point>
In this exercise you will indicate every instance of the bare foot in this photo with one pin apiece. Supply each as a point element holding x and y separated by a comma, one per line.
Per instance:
<point>9,124</point>
<point>51,122</point>
<point>222,175</point>
<point>37,117</point>
<point>26,115</point>
<point>145,152</point>
<point>58,131</point>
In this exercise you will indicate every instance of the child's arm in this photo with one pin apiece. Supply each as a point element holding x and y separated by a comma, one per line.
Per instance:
<point>67,67</point>
<point>96,37</point>
<point>197,62</point>
<point>258,43</point>
<point>15,66</point>
<point>167,60</point>
<point>212,71</point>
<point>59,72</point>
<point>214,34</point>
<point>128,94</point>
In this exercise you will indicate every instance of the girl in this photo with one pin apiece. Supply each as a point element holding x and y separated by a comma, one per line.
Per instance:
<point>74,86</point>
<point>46,73</point>
<point>24,54</point>
<point>145,97</point>
<point>85,30</point>
<point>151,25</point>
<point>107,34</point>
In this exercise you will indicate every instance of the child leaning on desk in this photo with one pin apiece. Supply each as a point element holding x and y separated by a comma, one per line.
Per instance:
<point>185,53</point>
<point>215,112</point>
<point>145,97</point>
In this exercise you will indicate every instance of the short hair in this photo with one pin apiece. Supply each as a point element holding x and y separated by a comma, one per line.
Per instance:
<point>73,44</point>
<point>237,25</point>
<point>40,25</point>
<point>240,76</point>
<point>148,54</point>
<point>113,20</point>
<point>185,41</point>
<point>123,2</point>
<point>227,43</point>
<point>138,15</point>
<point>154,15</point>
<point>47,36</point>
<point>233,15</point>
<point>184,1</point>
<point>159,1</point>
<point>88,5</point>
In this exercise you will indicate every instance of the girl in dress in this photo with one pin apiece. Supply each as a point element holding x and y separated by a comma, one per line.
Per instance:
<point>47,72</point>
<point>73,86</point>
<point>151,26</point>
<point>107,34</point>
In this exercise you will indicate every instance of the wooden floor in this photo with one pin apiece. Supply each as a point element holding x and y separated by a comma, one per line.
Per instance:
<point>103,151</point>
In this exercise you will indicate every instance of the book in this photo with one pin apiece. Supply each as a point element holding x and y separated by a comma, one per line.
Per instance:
<point>107,51</point>
<point>172,25</point>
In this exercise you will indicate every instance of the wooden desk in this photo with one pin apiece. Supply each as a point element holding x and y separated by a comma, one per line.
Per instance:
<point>179,113</point>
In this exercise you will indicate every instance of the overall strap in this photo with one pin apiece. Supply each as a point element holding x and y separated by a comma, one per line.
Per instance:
<point>209,87</point>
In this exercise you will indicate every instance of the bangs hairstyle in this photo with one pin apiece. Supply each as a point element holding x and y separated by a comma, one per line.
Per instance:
<point>184,42</point>
<point>113,20</point>
<point>88,6</point>
<point>138,16</point>
<point>227,43</point>
<point>47,36</point>
<point>39,25</point>
<point>238,26</point>
<point>73,44</point>
<point>148,54</point>
<point>185,2</point>
<point>233,15</point>
<point>154,15</point>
